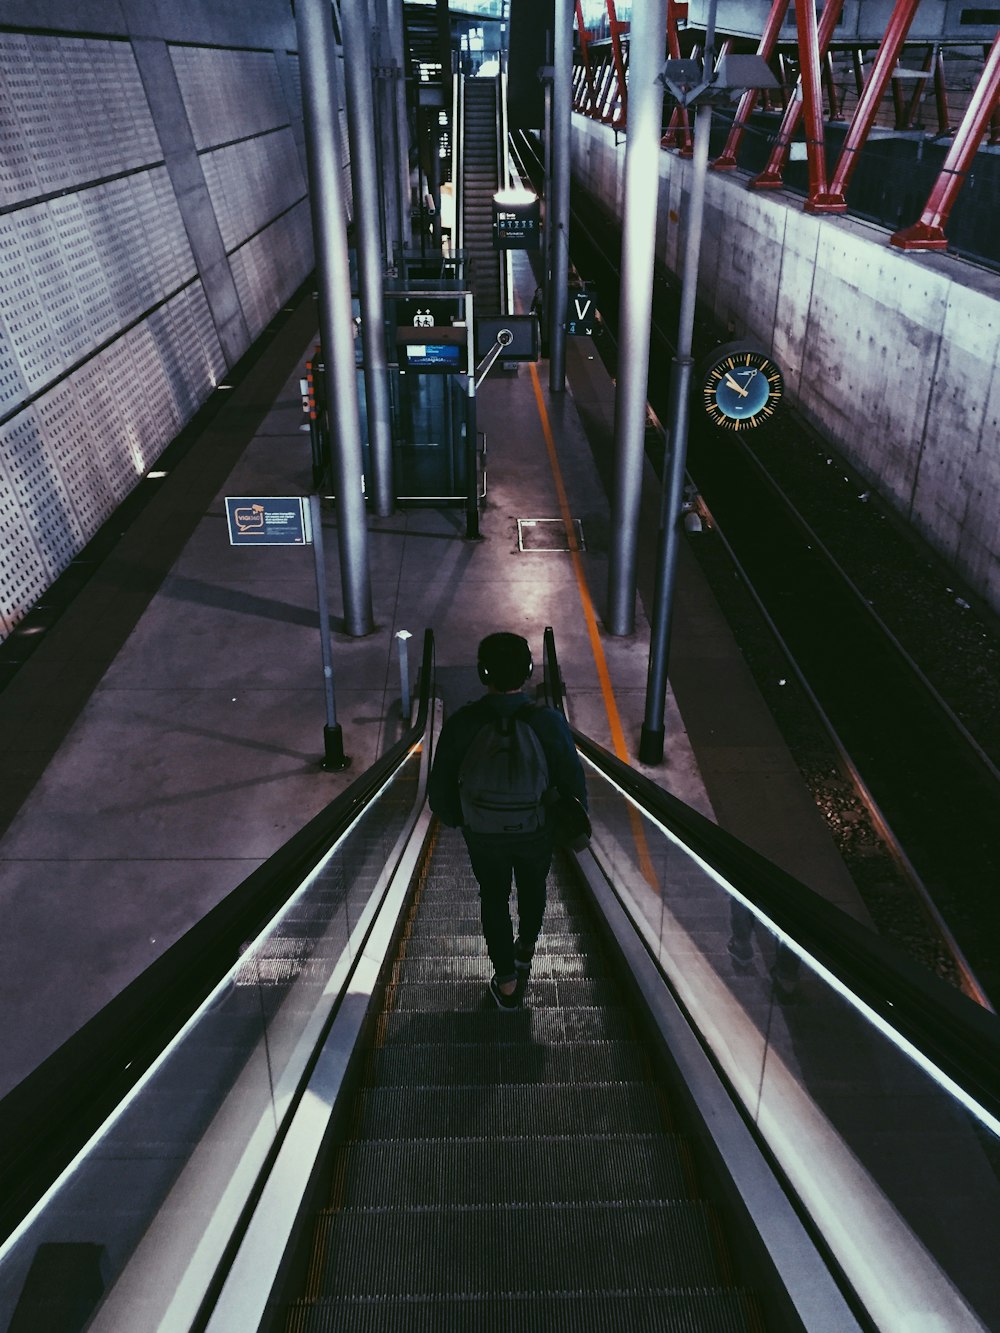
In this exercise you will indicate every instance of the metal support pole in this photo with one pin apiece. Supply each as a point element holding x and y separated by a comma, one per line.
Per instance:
<point>770,177</point>
<point>868,103</point>
<point>386,134</point>
<point>681,370</point>
<point>403,639</point>
<point>316,58</point>
<point>928,233</point>
<point>398,48</point>
<point>364,172</point>
<point>472,465</point>
<point>726,161</point>
<point>642,169</point>
<point>333,736</point>
<point>562,106</point>
<point>818,200</point>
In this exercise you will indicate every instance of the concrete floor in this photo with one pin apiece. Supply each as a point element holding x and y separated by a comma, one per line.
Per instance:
<point>165,737</point>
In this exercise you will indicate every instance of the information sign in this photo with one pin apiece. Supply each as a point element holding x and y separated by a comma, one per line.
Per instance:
<point>256,520</point>
<point>581,312</point>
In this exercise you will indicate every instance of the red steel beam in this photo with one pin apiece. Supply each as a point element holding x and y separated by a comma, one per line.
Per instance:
<point>928,233</point>
<point>678,131</point>
<point>818,199</point>
<point>771,177</point>
<point>726,161</point>
<point>617,28</point>
<point>864,113</point>
<point>585,53</point>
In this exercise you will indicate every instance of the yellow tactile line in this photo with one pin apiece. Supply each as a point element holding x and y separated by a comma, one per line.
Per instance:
<point>597,648</point>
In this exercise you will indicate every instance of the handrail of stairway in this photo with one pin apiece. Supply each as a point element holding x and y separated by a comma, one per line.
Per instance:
<point>949,1029</point>
<point>48,1117</point>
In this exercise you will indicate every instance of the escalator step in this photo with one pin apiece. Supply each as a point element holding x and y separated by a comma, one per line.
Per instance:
<point>685,1311</point>
<point>431,1173</point>
<point>448,1063</point>
<point>541,1026</point>
<point>444,945</point>
<point>509,1110</point>
<point>540,1247</point>
<point>479,968</point>
<point>570,993</point>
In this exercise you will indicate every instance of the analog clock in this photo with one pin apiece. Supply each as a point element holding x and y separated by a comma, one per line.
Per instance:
<point>741,388</point>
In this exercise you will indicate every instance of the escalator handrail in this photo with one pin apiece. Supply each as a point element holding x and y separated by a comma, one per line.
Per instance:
<point>48,1117</point>
<point>950,1030</point>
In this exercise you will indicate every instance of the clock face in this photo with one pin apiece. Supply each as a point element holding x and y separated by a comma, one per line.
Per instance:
<point>741,389</point>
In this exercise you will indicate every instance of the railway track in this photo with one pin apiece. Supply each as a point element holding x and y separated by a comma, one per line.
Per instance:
<point>911,796</point>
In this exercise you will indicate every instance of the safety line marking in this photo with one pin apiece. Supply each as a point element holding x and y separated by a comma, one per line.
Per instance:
<point>596,647</point>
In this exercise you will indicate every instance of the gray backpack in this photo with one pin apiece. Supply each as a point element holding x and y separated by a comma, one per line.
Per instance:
<point>504,777</point>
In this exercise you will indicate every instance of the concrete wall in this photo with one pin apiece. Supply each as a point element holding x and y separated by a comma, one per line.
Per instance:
<point>895,357</point>
<point>153,218</point>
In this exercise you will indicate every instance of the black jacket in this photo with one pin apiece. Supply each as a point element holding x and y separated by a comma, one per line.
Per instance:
<point>461,729</point>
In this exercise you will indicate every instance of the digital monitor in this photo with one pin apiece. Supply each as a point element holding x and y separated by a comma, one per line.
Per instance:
<point>524,338</point>
<point>429,356</point>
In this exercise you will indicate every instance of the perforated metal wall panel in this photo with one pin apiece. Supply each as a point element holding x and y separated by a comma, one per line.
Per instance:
<point>17,166</point>
<point>89,262</point>
<point>44,500</point>
<point>67,435</point>
<point>251,182</point>
<point>26,321</point>
<point>23,575</point>
<point>269,267</point>
<point>229,95</point>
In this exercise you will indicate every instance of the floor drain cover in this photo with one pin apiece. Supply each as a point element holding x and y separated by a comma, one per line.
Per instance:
<point>549,534</point>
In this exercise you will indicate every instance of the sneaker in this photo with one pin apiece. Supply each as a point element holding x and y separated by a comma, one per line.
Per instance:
<point>523,954</point>
<point>512,1001</point>
<point>741,952</point>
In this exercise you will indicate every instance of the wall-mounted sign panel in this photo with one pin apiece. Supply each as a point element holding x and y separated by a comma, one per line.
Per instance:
<point>256,520</point>
<point>581,313</point>
<point>517,220</point>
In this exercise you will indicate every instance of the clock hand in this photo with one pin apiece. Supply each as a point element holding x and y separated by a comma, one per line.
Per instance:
<point>733,385</point>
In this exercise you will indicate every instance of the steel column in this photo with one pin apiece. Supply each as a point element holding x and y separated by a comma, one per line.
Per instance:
<point>726,161</point>
<point>364,173</point>
<point>562,72</point>
<point>617,29</point>
<point>678,131</point>
<point>941,96</point>
<point>868,103</point>
<point>818,200</point>
<point>585,54</point>
<point>329,218</point>
<point>397,39</point>
<point>928,233</point>
<point>771,177</point>
<point>642,153</point>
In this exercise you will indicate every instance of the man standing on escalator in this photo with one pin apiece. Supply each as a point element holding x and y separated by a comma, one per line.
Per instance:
<point>499,762</point>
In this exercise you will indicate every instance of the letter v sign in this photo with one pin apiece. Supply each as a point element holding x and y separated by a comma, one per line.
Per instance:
<point>581,313</point>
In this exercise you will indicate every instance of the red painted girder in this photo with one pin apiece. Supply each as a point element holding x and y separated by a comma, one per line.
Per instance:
<point>864,113</point>
<point>928,233</point>
<point>726,160</point>
<point>771,177</point>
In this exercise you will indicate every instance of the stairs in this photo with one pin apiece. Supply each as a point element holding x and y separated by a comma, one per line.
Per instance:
<point>512,1171</point>
<point>480,181</point>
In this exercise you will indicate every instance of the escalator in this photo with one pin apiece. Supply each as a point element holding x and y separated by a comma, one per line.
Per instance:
<point>482,150</point>
<point>310,1115</point>
<point>512,1170</point>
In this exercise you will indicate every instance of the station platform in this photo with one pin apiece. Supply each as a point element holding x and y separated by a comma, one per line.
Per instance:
<point>166,736</point>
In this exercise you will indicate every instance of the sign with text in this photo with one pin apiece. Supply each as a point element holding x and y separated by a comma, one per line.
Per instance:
<point>256,520</point>
<point>517,220</point>
<point>581,312</point>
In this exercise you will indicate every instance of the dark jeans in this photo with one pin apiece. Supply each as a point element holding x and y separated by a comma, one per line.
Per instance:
<point>495,861</point>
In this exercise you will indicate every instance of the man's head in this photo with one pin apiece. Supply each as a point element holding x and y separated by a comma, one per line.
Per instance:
<point>504,662</point>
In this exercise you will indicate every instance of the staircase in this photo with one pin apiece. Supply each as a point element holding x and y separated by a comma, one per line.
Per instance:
<point>480,181</point>
<point>512,1170</point>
